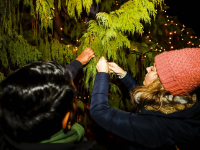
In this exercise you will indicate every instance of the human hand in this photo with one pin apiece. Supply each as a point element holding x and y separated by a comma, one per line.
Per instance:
<point>85,56</point>
<point>102,65</point>
<point>116,69</point>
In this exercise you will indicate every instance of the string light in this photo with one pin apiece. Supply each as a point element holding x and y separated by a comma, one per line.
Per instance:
<point>170,42</point>
<point>62,39</point>
<point>170,33</point>
<point>172,47</point>
<point>75,49</point>
<point>53,8</point>
<point>61,28</point>
<point>174,32</point>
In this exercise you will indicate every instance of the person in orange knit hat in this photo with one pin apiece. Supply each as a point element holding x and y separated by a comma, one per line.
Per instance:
<point>167,107</point>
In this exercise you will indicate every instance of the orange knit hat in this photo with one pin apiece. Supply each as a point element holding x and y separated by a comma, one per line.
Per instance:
<point>179,70</point>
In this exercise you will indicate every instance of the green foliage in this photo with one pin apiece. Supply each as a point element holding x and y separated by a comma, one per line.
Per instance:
<point>77,30</point>
<point>106,6</point>
<point>106,36</point>
<point>15,48</point>
<point>74,6</point>
<point>1,77</point>
<point>80,105</point>
<point>27,33</point>
<point>44,12</point>
<point>127,18</point>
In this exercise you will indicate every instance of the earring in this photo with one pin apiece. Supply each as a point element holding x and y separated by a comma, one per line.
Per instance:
<point>69,125</point>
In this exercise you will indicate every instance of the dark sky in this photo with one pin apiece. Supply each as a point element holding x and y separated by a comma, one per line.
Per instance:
<point>188,13</point>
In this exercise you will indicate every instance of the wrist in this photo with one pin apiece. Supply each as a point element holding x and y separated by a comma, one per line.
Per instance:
<point>122,74</point>
<point>79,61</point>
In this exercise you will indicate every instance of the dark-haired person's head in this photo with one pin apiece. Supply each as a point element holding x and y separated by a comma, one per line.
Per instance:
<point>34,101</point>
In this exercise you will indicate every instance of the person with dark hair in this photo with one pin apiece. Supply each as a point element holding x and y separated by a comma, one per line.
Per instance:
<point>37,105</point>
<point>167,106</point>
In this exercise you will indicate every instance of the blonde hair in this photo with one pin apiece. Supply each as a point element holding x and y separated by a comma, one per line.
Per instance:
<point>153,95</point>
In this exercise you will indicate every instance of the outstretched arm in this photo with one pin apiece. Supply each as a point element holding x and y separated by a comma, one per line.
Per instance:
<point>81,60</point>
<point>146,130</point>
<point>125,77</point>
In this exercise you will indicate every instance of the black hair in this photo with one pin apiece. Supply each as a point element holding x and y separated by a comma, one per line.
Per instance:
<point>34,101</point>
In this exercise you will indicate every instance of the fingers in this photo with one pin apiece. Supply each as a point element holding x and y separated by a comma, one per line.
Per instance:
<point>103,59</point>
<point>110,71</point>
<point>90,53</point>
<point>88,49</point>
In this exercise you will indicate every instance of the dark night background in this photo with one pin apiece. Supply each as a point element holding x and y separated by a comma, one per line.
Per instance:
<point>187,12</point>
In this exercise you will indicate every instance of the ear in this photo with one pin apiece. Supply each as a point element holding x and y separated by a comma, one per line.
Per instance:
<point>65,122</point>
